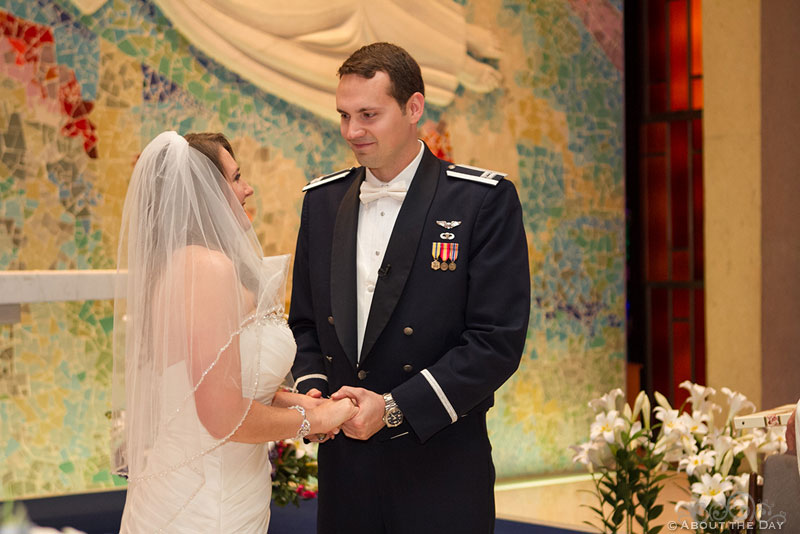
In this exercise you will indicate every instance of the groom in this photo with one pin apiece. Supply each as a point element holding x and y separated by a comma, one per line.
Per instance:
<point>411,296</point>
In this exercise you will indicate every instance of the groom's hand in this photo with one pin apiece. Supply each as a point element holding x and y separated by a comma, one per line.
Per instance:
<point>369,418</point>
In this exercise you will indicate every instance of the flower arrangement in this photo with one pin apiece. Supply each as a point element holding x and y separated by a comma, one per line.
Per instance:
<point>294,471</point>
<point>717,459</point>
<point>629,458</point>
<point>622,456</point>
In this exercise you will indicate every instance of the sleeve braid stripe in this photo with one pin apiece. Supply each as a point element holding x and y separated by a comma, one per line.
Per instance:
<point>439,393</point>
<point>310,377</point>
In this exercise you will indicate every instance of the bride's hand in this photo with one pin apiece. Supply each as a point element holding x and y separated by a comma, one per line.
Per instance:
<point>328,416</point>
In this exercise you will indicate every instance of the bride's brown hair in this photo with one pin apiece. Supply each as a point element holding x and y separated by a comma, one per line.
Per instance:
<point>208,144</point>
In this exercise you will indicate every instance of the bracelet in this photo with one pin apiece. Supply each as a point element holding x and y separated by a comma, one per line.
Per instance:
<point>305,426</point>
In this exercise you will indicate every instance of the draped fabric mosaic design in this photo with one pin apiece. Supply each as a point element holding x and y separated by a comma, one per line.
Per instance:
<point>83,93</point>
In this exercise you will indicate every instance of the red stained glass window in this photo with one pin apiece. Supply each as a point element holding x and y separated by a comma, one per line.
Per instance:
<point>682,359</point>
<point>670,192</point>
<point>660,339</point>
<point>657,218</point>
<point>678,56</point>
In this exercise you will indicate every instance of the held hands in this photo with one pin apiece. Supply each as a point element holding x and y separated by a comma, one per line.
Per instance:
<point>326,416</point>
<point>369,418</point>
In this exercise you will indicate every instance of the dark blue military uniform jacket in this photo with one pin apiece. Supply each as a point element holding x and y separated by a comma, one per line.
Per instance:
<point>440,341</point>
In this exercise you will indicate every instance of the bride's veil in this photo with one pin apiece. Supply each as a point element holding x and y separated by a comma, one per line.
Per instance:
<point>194,280</point>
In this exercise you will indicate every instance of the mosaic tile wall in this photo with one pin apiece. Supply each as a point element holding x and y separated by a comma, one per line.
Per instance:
<point>82,94</point>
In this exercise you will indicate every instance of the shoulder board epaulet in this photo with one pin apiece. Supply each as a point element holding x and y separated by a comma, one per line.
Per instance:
<point>328,178</point>
<point>475,174</point>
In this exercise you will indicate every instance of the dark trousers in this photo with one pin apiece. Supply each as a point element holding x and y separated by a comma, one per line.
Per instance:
<point>400,486</point>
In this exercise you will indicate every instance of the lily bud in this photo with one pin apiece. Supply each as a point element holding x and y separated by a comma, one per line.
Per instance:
<point>662,401</point>
<point>637,405</point>
<point>727,462</point>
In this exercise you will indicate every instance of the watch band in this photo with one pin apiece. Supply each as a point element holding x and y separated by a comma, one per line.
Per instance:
<point>392,416</point>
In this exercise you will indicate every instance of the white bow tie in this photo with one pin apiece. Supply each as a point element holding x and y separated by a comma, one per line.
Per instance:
<point>370,192</point>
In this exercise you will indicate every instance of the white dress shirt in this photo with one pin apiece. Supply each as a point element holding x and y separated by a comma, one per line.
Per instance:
<point>375,224</point>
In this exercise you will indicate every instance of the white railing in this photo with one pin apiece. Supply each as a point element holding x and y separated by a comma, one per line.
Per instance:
<point>23,287</point>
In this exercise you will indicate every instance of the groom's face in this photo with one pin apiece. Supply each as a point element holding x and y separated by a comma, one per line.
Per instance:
<point>380,133</point>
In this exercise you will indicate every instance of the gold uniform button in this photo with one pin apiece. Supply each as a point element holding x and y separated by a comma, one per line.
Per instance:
<point>408,368</point>
<point>330,319</point>
<point>362,374</point>
<point>408,330</point>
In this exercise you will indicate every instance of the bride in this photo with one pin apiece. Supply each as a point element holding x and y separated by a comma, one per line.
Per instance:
<point>201,347</point>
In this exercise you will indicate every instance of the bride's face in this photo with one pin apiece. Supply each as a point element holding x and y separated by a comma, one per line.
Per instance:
<point>230,170</point>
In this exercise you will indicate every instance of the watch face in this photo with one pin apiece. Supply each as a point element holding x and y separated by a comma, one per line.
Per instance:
<point>394,418</point>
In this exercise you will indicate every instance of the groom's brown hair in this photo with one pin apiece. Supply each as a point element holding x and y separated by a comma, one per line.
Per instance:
<point>403,70</point>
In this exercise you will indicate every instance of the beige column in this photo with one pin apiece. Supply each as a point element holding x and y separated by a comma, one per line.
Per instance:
<point>751,60</point>
<point>732,193</point>
<point>780,200</point>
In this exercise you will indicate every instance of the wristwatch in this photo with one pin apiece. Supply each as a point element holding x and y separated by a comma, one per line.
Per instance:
<point>392,415</point>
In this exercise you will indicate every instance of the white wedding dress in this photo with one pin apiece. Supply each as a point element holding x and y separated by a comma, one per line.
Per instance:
<point>234,494</point>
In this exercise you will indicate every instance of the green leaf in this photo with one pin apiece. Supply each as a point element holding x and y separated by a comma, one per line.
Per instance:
<point>609,485</point>
<point>640,519</point>
<point>618,516</point>
<point>656,511</point>
<point>655,530</point>
<point>594,526</point>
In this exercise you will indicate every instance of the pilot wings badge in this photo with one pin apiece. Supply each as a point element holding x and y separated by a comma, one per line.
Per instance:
<point>448,225</point>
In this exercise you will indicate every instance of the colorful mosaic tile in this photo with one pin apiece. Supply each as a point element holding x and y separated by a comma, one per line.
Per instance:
<point>82,94</point>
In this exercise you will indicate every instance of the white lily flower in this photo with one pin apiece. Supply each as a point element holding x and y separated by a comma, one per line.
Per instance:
<point>711,488</point>
<point>683,505</point>
<point>695,423</point>
<point>690,506</point>
<point>744,441</point>
<point>671,421</point>
<point>697,463</point>
<point>592,454</point>
<point>774,441</point>
<point>607,402</point>
<point>737,403</point>
<point>669,445</point>
<point>750,451</point>
<point>698,395</point>
<point>605,425</point>
<point>740,482</point>
<point>600,455</point>
<point>688,444</point>
<point>757,435</point>
<point>721,443</point>
<point>581,453</point>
